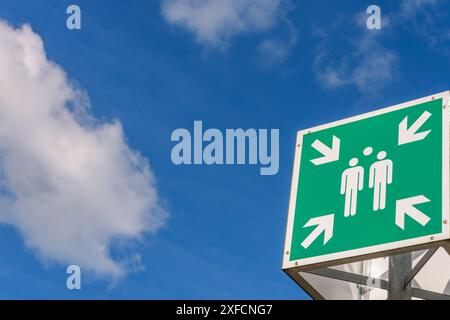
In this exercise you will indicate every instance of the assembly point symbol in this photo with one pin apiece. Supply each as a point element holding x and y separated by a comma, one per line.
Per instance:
<point>352,182</point>
<point>380,176</point>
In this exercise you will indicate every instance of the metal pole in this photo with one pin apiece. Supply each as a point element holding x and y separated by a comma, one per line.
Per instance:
<point>399,267</point>
<point>419,265</point>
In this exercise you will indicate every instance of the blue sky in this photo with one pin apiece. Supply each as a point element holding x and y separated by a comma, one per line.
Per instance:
<point>312,63</point>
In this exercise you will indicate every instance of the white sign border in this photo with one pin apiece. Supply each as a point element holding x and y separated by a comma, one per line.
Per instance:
<point>374,251</point>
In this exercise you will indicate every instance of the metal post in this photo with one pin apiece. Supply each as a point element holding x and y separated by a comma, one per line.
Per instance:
<point>419,265</point>
<point>399,267</point>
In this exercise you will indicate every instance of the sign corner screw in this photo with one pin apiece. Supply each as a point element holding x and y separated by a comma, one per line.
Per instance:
<point>445,221</point>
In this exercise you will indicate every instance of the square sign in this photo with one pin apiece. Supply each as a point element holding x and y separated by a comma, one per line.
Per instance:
<point>371,183</point>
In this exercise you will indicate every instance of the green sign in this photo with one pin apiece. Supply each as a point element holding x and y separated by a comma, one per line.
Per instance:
<point>371,183</point>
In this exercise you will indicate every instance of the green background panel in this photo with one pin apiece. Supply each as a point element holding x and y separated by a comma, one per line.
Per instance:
<point>417,170</point>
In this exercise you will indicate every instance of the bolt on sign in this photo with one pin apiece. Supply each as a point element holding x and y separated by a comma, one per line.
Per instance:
<point>370,184</point>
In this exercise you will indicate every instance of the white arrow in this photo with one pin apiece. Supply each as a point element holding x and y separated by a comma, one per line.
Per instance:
<point>406,207</point>
<point>324,224</point>
<point>407,135</point>
<point>329,154</point>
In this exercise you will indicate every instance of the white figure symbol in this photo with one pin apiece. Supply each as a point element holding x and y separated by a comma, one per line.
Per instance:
<point>352,182</point>
<point>380,176</point>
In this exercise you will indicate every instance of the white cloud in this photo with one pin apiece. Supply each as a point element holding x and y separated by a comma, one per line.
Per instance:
<point>354,57</point>
<point>275,51</point>
<point>410,8</point>
<point>428,19</point>
<point>369,66</point>
<point>214,22</point>
<point>69,184</point>
<point>366,62</point>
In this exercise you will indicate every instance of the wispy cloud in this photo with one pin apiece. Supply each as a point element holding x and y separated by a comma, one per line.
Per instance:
<point>70,184</point>
<point>410,8</point>
<point>364,62</point>
<point>215,22</point>
<point>427,18</point>
<point>362,58</point>
<point>274,50</point>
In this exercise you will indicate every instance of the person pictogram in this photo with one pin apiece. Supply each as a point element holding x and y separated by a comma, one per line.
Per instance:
<point>352,181</point>
<point>380,176</point>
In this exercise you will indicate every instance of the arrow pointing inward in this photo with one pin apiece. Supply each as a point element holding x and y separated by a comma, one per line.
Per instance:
<point>329,154</point>
<point>407,135</point>
<point>324,225</point>
<point>406,207</point>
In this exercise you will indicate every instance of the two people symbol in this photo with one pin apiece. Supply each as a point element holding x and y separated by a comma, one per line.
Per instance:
<point>352,182</point>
